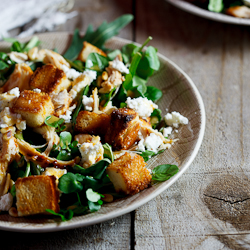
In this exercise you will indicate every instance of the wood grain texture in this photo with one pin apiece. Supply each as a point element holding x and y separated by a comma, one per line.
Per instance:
<point>208,207</point>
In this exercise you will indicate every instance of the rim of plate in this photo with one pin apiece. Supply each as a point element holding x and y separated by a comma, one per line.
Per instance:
<point>55,226</point>
<point>191,8</point>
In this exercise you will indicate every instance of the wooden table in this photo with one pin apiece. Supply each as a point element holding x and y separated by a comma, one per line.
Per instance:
<point>209,206</point>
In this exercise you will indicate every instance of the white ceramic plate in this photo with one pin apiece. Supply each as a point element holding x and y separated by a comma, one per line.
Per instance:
<point>179,94</point>
<point>191,8</point>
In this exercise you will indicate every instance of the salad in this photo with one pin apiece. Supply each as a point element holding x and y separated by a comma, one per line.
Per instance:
<point>78,129</point>
<point>236,8</point>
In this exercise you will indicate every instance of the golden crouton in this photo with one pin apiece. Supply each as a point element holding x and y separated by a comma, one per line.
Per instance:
<point>87,49</point>
<point>129,174</point>
<point>20,78</point>
<point>123,129</point>
<point>49,79</point>
<point>35,194</point>
<point>92,123</point>
<point>34,107</point>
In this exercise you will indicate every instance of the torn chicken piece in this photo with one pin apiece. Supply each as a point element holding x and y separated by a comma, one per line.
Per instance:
<point>49,79</point>
<point>123,130</point>
<point>151,139</point>
<point>129,174</point>
<point>49,134</point>
<point>61,102</point>
<point>35,194</point>
<point>239,11</point>
<point>8,151</point>
<point>20,78</point>
<point>91,152</point>
<point>18,57</point>
<point>34,107</point>
<point>115,79</point>
<point>31,154</point>
<point>92,123</point>
<point>81,138</point>
<point>78,84</point>
<point>51,57</point>
<point>87,49</point>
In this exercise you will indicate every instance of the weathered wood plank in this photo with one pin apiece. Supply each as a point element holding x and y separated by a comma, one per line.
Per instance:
<point>113,234</point>
<point>208,207</point>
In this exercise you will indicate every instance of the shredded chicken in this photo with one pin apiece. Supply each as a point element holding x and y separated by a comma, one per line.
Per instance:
<point>41,159</point>
<point>19,78</point>
<point>115,79</point>
<point>49,135</point>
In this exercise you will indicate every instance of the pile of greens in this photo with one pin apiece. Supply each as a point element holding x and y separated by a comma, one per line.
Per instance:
<point>81,188</point>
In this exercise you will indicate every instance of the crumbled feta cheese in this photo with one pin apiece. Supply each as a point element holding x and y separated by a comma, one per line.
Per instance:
<point>117,64</point>
<point>66,116</point>
<point>37,90</point>
<point>21,125</point>
<point>70,73</point>
<point>57,172</point>
<point>167,131</point>
<point>88,103</point>
<point>91,74</point>
<point>153,142</point>
<point>6,202</point>
<point>91,153</point>
<point>142,106</point>
<point>15,91</point>
<point>175,119</point>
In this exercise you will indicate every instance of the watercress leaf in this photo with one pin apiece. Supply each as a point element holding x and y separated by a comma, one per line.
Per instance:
<point>134,63</point>
<point>155,117</point>
<point>63,155</point>
<point>3,56</point>
<point>113,54</point>
<point>3,65</point>
<point>107,30</point>
<point>164,172</point>
<point>97,170</point>
<point>96,62</point>
<point>151,55</point>
<point>153,93</point>
<point>16,46</point>
<point>215,5</point>
<point>13,190</point>
<point>93,206</point>
<point>65,139</point>
<point>65,215</point>
<point>98,37</point>
<point>147,155</point>
<point>92,196</point>
<point>128,52</point>
<point>69,183</point>
<point>108,153</point>
<point>53,121</point>
<point>140,85</point>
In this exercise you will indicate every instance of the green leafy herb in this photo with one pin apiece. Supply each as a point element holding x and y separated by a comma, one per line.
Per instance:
<point>93,196</point>
<point>96,62</point>
<point>153,93</point>
<point>98,37</point>
<point>155,117</point>
<point>65,215</point>
<point>215,5</point>
<point>164,172</point>
<point>70,183</point>
<point>55,122</point>
<point>108,153</point>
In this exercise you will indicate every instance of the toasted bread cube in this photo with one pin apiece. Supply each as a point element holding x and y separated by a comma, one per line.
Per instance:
<point>35,194</point>
<point>92,123</point>
<point>129,174</point>
<point>20,78</point>
<point>123,130</point>
<point>49,79</point>
<point>34,107</point>
<point>87,49</point>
